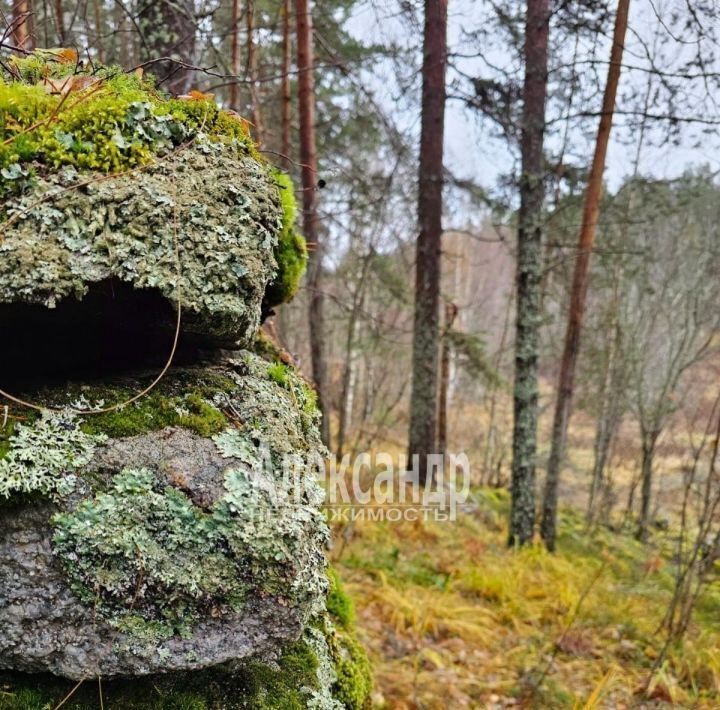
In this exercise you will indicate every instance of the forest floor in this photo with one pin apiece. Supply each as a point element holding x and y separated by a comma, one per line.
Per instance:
<point>452,618</point>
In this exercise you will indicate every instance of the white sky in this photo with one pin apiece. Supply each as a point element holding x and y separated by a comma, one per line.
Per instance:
<point>472,152</point>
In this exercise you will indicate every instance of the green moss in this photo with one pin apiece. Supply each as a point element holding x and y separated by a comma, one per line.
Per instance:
<point>19,691</point>
<point>284,687</point>
<point>288,684</point>
<point>110,122</point>
<point>147,414</point>
<point>166,405</point>
<point>354,673</point>
<point>202,418</point>
<point>279,373</point>
<point>291,251</point>
<point>339,604</point>
<point>157,411</point>
<point>287,377</point>
<point>268,350</point>
<point>352,667</point>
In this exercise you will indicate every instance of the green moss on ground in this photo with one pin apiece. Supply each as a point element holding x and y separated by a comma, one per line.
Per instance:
<point>288,684</point>
<point>19,691</point>
<point>354,683</point>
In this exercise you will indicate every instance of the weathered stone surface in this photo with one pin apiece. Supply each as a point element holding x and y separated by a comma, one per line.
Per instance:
<point>44,627</point>
<point>166,550</point>
<point>207,213</point>
<point>183,531</point>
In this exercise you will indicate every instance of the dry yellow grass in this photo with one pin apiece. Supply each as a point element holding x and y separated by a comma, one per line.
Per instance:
<point>452,618</point>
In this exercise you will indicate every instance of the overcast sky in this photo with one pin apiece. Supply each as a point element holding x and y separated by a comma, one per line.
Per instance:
<point>471,149</point>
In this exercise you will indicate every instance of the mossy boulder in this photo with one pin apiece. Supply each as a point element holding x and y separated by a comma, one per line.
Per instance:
<point>168,549</point>
<point>114,182</point>
<point>171,543</point>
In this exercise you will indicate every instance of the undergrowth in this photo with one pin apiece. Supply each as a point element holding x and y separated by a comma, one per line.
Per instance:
<point>452,617</point>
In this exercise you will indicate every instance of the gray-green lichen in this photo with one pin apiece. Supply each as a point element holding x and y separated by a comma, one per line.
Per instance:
<point>145,550</point>
<point>207,217</point>
<point>42,457</point>
<point>278,405</point>
<point>178,543</point>
<point>322,697</point>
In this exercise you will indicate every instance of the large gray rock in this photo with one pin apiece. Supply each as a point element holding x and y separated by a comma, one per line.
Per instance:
<point>45,627</point>
<point>167,550</point>
<point>184,530</point>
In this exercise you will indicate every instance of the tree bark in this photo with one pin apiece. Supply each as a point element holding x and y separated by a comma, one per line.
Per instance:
<point>491,438</point>
<point>649,441</point>
<point>423,401</point>
<point>311,224</point>
<point>347,395</point>
<point>121,43</point>
<point>608,420</point>
<point>169,30</point>
<point>234,98</point>
<point>252,71</point>
<point>529,275</point>
<point>21,20</point>
<point>286,107</point>
<point>348,386</point>
<point>580,282</point>
<point>99,46</point>
<point>60,21</point>
<point>451,311</point>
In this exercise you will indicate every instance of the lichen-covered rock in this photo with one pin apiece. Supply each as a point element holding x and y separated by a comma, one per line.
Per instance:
<point>122,184</point>
<point>166,550</point>
<point>173,546</point>
<point>206,217</point>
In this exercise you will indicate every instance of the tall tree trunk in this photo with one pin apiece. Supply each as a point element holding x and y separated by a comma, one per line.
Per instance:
<point>234,98</point>
<point>285,87</point>
<point>605,432</point>
<point>252,64</point>
<point>348,386</point>
<point>608,421</point>
<point>99,31</point>
<point>121,44</point>
<point>21,24</point>
<point>60,21</point>
<point>491,438</point>
<point>423,403</point>
<point>649,442</point>
<point>311,224</point>
<point>529,275</point>
<point>169,30</point>
<point>580,281</point>
<point>451,311</point>
<point>347,397</point>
